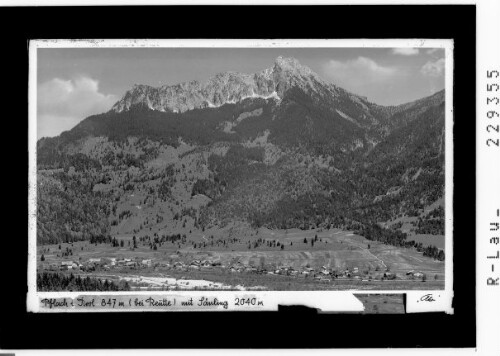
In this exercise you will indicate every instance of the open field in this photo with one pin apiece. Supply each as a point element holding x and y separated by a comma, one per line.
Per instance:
<point>336,260</point>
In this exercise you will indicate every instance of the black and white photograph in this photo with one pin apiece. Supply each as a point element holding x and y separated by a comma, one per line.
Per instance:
<point>241,177</point>
<point>263,178</point>
<point>241,166</point>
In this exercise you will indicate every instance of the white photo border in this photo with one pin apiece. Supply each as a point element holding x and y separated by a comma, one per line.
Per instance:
<point>327,301</point>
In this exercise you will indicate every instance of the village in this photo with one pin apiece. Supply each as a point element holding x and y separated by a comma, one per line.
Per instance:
<point>323,274</point>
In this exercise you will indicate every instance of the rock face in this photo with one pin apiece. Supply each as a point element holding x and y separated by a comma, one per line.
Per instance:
<point>227,87</point>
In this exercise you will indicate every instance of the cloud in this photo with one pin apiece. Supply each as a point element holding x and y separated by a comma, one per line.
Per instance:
<point>432,50</point>
<point>405,51</point>
<point>356,73</point>
<point>64,103</point>
<point>435,52</point>
<point>433,68</point>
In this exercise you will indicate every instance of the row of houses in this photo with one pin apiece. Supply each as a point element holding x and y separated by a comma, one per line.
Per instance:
<point>101,263</point>
<point>322,273</point>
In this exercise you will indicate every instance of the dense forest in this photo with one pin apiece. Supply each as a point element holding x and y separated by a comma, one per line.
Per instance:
<point>54,282</point>
<point>69,210</point>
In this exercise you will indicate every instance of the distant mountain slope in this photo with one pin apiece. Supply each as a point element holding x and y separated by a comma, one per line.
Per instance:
<point>280,148</point>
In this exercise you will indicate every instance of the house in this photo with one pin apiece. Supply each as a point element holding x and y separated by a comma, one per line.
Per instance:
<point>147,263</point>
<point>53,267</point>
<point>179,265</point>
<point>418,275</point>
<point>206,264</point>
<point>66,265</point>
<point>94,260</point>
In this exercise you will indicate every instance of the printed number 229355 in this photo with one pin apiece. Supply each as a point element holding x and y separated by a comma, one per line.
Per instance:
<point>492,103</point>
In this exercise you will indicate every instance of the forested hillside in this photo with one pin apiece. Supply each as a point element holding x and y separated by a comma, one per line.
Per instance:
<point>317,156</point>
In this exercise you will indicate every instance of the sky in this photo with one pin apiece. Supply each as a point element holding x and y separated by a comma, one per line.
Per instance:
<point>74,83</point>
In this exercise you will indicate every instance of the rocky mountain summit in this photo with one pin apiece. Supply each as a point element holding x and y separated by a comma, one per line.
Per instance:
<point>227,87</point>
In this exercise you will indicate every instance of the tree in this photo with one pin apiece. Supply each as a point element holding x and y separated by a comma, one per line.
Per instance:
<point>42,258</point>
<point>305,240</point>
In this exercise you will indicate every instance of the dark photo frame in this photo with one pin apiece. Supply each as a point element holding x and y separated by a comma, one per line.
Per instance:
<point>22,330</point>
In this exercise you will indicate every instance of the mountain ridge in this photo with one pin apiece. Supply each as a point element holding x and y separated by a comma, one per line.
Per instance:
<point>226,87</point>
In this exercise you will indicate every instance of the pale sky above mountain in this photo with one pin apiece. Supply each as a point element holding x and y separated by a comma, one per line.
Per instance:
<point>74,83</point>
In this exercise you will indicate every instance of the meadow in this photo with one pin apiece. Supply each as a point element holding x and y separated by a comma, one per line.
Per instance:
<point>352,261</point>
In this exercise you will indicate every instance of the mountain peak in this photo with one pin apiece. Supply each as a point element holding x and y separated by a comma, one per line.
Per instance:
<point>290,64</point>
<point>224,87</point>
<point>287,62</point>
